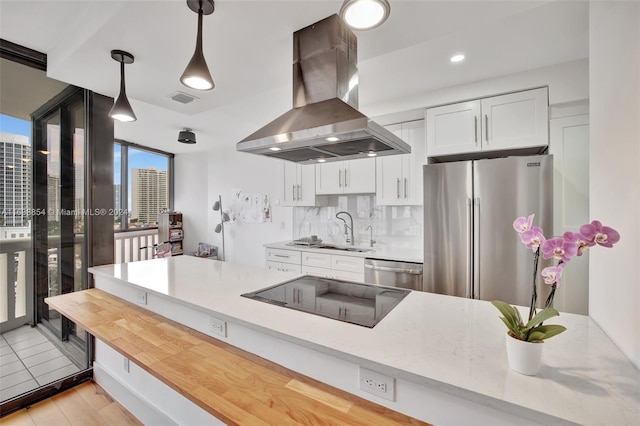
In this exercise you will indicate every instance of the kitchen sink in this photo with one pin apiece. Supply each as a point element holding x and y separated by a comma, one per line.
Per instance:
<point>353,249</point>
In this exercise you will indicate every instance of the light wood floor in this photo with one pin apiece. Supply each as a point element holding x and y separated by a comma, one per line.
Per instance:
<point>86,404</point>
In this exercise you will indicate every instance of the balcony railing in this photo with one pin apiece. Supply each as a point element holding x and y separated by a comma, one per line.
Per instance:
<point>16,283</point>
<point>127,244</point>
<point>16,270</point>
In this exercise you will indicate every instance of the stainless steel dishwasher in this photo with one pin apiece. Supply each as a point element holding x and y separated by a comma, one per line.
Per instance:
<point>393,273</point>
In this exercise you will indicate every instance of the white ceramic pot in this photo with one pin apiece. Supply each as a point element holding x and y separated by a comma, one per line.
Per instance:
<point>524,357</point>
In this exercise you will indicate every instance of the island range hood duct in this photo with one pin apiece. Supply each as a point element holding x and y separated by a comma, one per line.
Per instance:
<point>324,124</point>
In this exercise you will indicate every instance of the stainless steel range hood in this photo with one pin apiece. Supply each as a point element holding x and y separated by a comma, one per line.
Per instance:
<point>324,124</point>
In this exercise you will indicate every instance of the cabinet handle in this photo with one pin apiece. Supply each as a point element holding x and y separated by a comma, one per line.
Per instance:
<point>346,182</point>
<point>281,255</point>
<point>475,128</point>
<point>293,192</point>
<point>398,188</point>
<point>299,193</point>
<point>339,178</point>
<point>486,128</point>
<point>405,187</point>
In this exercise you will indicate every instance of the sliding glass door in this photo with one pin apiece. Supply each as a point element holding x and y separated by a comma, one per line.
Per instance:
<point>59,201</point>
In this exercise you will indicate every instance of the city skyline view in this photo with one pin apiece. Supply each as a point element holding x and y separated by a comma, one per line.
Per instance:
<point>137,159</point>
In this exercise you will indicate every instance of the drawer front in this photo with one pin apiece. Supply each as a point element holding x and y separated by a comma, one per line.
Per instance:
<point>349,276</point>
<point>348,263</point>
<point>273,266</point>
<point>289,267</point>
<point>318,260</point>
<point>285,256</point>
<point>316,272</point>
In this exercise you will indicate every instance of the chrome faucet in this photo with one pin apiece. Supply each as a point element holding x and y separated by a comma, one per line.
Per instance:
<point>371,240</point>
<point>347,227</point>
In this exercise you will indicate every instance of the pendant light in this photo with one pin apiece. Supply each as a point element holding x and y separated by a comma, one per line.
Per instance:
<point>121,109</point>
<point>197,75</point>
<point>364,14</point>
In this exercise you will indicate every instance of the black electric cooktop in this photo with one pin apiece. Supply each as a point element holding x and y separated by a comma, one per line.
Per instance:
<point>361,304</point>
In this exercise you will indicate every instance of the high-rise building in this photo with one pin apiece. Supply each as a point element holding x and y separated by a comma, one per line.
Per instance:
<point>15,182</point>
<point>149,194</point>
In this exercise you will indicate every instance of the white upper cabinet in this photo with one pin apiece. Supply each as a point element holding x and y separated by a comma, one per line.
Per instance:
<point>399,177</point>
<point>299,184</point>
<point>512,121</point>
<point>454,129</point>
<point>346,177</point>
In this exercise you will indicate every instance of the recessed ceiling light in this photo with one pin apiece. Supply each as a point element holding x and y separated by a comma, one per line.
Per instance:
<point>371,154</point>
<point>364,14</point>
<point>321,160</point>
<point>333,139</point>
<point>275,148</point>
<point>457,58</point>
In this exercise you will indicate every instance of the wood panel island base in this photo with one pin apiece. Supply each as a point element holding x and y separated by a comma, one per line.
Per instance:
<point>444,356</point>
<point>229,383</point>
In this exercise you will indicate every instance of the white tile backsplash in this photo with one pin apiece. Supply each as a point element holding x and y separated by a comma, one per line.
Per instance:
<point>392,225</point>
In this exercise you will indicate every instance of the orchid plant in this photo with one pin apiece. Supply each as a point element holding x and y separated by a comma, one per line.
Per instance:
<point>562,249</point>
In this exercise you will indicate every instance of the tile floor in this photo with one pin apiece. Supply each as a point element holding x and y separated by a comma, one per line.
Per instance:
<point>29,360</point>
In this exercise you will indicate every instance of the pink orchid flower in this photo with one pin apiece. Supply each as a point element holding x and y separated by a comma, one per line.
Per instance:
<point>559,248</point>
<point>595,233</point>
<point>553,274</point>
<point>581,242</point>
<point>533,238</point>
<point>523,224</point>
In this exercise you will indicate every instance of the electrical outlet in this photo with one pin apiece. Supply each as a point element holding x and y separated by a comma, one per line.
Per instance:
<point>218,326</point>
<point>377,384</point>
<point>141,297</point>
<point>125,364</point>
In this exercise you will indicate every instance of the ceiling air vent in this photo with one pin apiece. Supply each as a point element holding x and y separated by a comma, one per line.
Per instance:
<point>183,98</point>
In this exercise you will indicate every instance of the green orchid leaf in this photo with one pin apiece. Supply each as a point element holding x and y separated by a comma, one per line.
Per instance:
<point>511,316</point>
<point>545,331</point>
<point>542,316</point>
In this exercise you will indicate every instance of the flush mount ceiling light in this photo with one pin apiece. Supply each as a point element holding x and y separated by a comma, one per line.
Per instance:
<point>187,136</point>
<point>197,75</point>
<point>364,14</point>
<point>121,109</point>
<point>459,57</point>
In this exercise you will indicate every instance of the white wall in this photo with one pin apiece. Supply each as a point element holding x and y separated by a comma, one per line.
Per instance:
<point>614,50</point>
<point>190,197</point>
<point>202,177</point>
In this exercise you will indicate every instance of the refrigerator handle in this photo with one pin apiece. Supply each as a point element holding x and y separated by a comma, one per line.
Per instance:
<point>469,290</point>
<point>476,248</point>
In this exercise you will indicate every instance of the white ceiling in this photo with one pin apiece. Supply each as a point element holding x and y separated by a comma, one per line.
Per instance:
<point>248,46</point>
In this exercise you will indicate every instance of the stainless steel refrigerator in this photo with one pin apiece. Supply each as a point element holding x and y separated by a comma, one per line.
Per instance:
<point>470,246</point>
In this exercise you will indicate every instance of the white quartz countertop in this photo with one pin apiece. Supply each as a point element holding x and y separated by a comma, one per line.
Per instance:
<point>454,343</point>
<point>402,254</point>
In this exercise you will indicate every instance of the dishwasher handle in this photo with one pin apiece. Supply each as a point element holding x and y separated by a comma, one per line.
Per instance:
<point>396,270</point>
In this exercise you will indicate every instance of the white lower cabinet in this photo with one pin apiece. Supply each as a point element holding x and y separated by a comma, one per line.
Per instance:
<point>349,268</point>
<point>283,260</point>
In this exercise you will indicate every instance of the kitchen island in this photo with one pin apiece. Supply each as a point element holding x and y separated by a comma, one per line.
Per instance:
<point>446,354</point>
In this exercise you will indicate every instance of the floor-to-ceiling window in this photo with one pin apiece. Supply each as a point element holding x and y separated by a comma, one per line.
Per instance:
<point>45,194</point>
